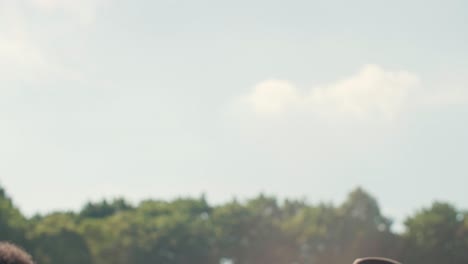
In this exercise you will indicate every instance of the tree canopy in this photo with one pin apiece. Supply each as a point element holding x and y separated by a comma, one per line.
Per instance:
<point>256,231</point>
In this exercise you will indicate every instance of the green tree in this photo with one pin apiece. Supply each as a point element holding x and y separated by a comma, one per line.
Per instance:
<point>56,240</point>
<point>364,231</point>
<point>12,223</point>
<point>155,232</point>
<point>438,234</point>
<point>104,208</point>
<point>251,233</point>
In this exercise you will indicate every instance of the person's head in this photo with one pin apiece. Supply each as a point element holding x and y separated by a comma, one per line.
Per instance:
<point>11,254</point>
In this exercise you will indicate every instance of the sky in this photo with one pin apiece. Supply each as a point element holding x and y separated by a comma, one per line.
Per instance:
<point>168,98</point>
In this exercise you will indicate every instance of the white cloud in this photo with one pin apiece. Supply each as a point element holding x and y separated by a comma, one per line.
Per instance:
<point>22,57</point>
<point>372,92</point>
<point>18,54</point>
<point>273,96</point>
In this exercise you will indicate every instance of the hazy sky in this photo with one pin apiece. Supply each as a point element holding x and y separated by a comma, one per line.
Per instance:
<point>163,98</point>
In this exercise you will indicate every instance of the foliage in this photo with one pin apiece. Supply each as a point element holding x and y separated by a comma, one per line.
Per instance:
<point>258,231</point>
<point>12,223</point>
<point>437,234</point>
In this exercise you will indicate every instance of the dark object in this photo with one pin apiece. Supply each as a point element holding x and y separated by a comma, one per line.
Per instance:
<point>375,261</point>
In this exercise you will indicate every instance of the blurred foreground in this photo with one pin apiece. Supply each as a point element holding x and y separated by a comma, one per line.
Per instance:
<point>260,231</point>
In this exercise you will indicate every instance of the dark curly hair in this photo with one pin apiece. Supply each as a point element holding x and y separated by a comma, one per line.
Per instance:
<point>12,254</point>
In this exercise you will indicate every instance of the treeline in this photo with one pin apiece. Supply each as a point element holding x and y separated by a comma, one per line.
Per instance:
<point>262,230</point>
